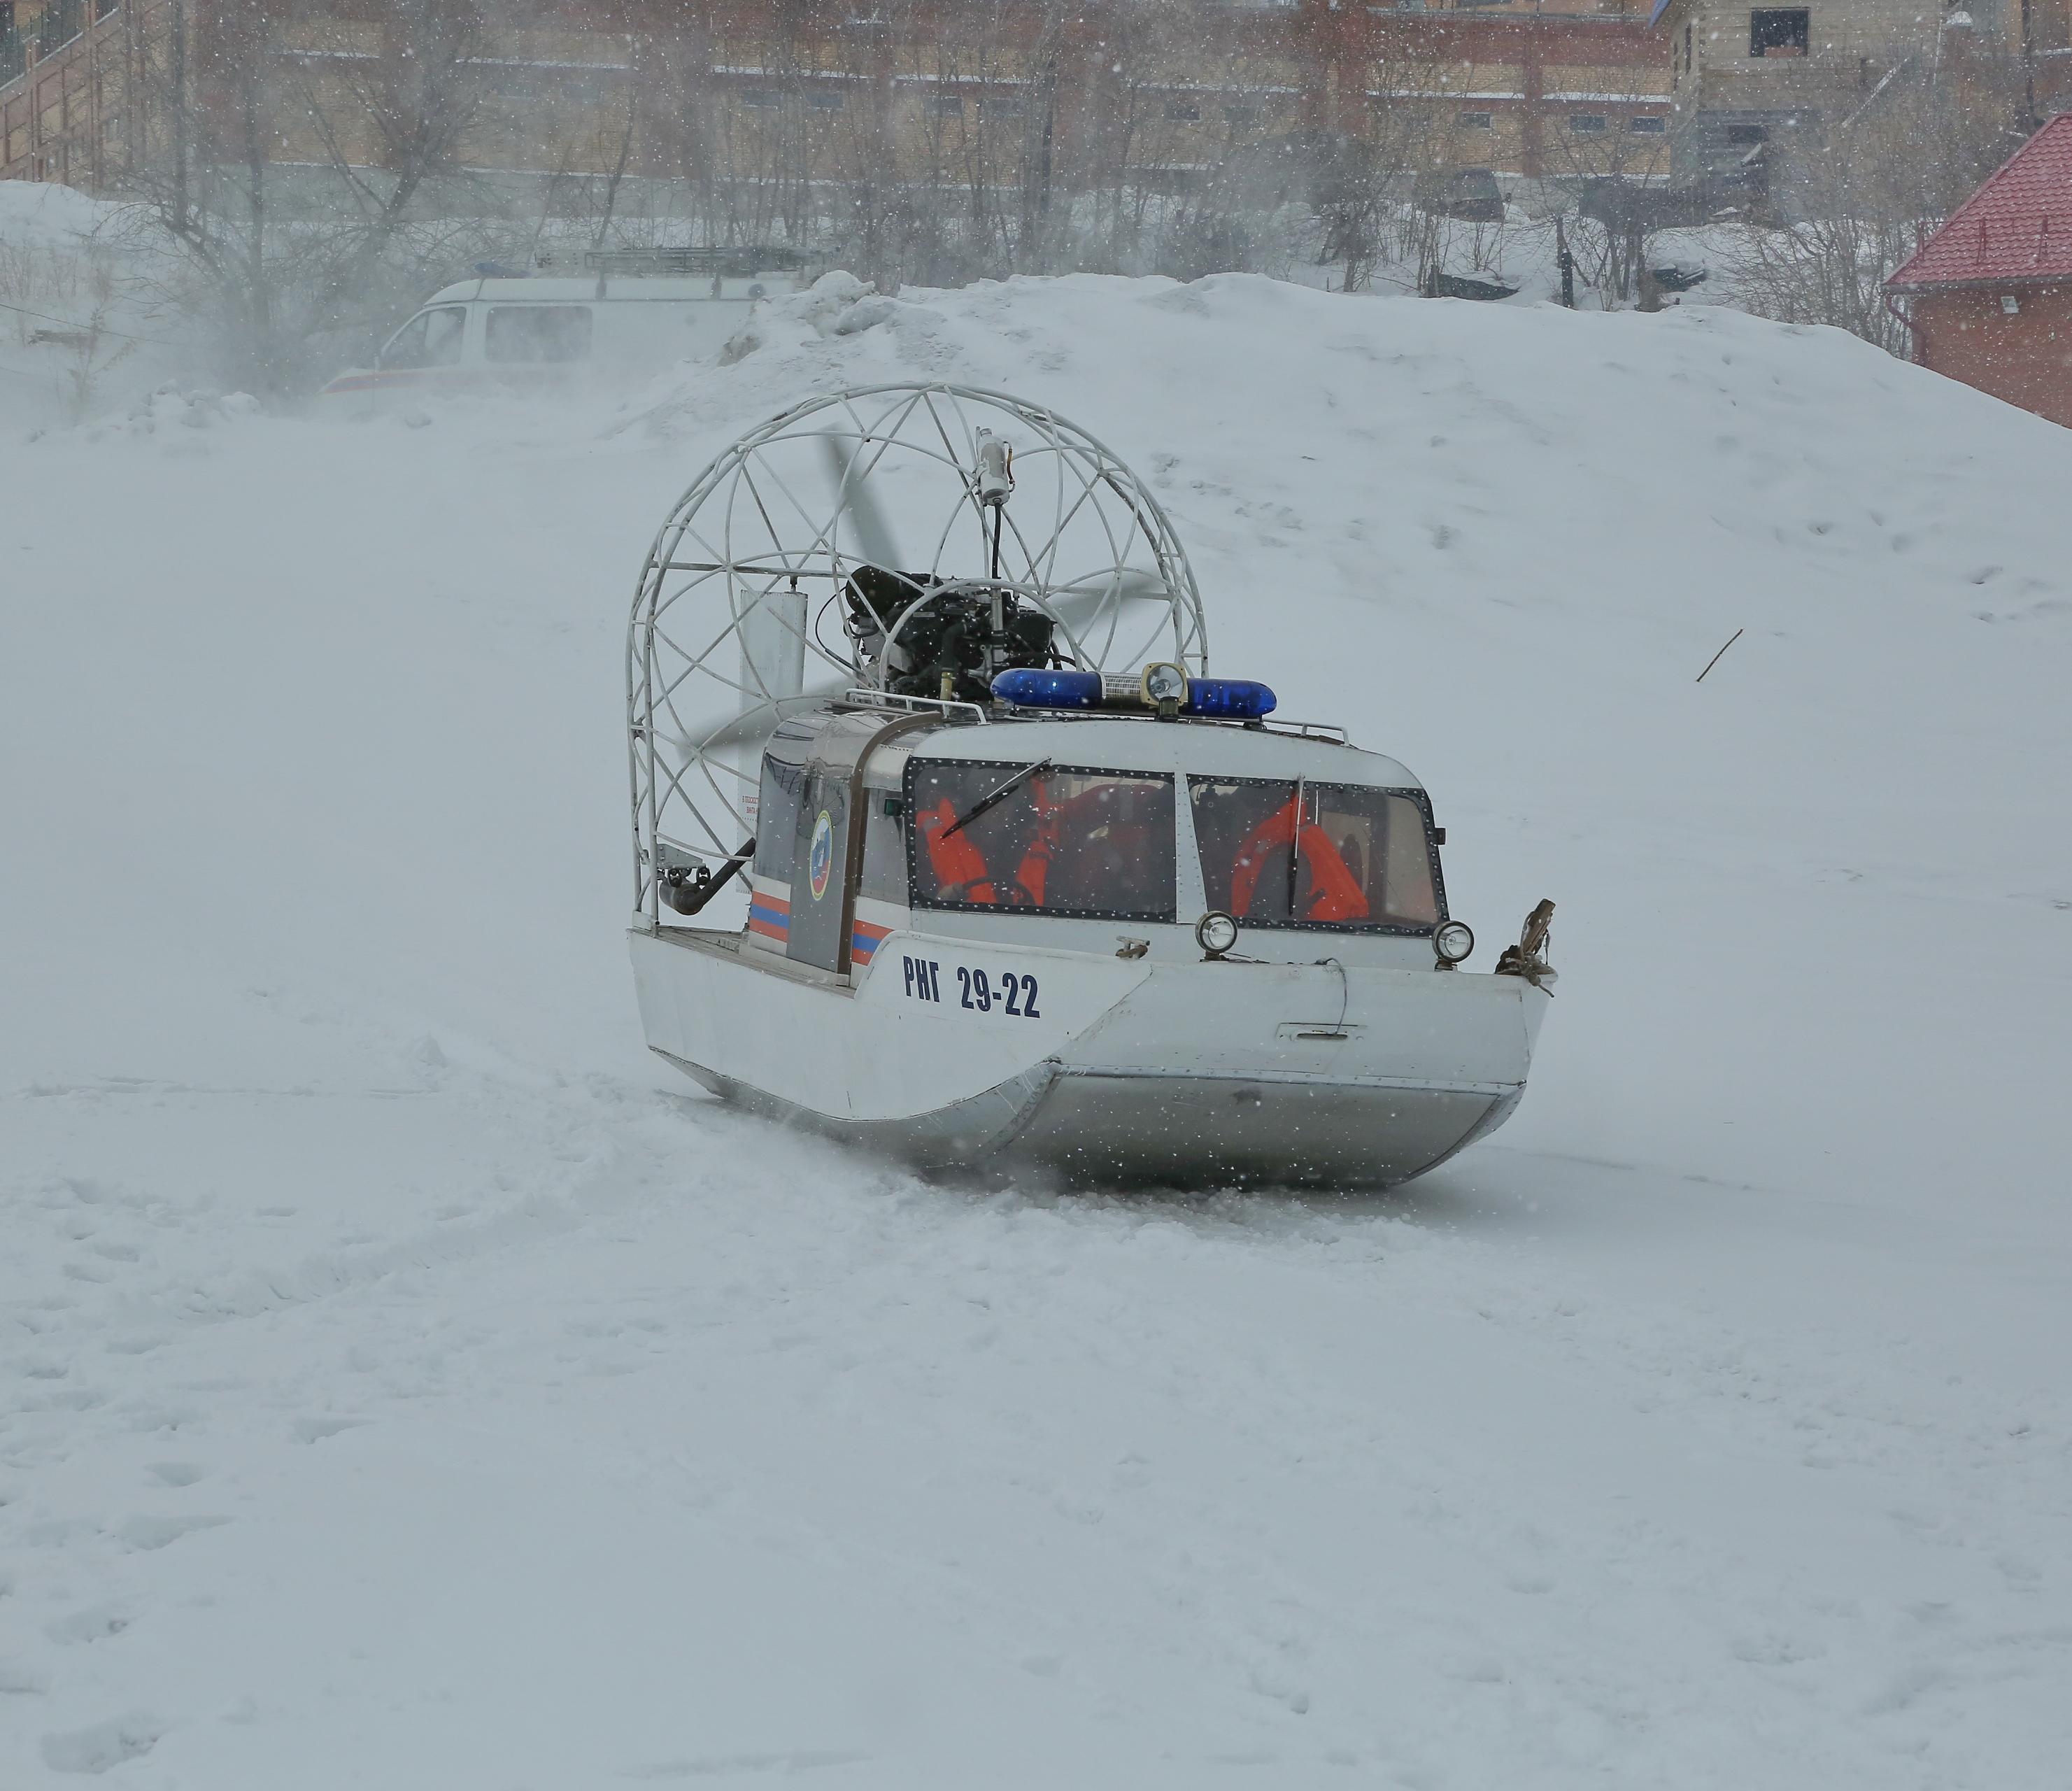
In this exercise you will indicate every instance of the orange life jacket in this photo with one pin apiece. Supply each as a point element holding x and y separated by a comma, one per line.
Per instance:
<point>957,859</point>
<point>1334,892</point>
<point>954,859</point>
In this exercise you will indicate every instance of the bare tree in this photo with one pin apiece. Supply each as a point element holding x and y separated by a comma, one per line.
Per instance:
<point>279,269</point>
<point>1885,175</point>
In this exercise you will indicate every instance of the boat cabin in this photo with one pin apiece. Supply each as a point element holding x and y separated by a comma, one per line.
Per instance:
<point>1095,833</point>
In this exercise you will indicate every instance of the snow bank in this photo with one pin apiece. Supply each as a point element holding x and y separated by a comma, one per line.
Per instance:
<point>405,1379</point>
<point>77,338</point>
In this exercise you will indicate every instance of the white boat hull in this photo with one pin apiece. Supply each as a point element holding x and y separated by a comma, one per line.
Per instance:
<point>946,1051</point>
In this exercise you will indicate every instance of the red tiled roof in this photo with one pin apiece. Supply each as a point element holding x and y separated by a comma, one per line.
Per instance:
<point>2017,226</point>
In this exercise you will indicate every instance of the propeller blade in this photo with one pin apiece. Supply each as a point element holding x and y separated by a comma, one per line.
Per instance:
<point>757,724</point>
<point>857,501</point>
<point>1074,607</point>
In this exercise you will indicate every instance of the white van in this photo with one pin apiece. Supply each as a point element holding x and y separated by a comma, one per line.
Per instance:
<point>635,311</point>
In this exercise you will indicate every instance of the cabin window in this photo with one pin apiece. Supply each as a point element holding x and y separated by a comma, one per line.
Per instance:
<point>521,333</point>
<point>1365,860</point>
<point>431,338</point>
<point>777,818</point>
<point>1047,839</point>
<point>1778,30</point>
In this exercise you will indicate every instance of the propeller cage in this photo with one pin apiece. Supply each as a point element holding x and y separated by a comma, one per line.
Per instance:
<point>913,539</point>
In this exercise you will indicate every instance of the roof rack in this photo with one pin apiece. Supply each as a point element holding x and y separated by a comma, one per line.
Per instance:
<point>739,262</point>
<point>950,710</point>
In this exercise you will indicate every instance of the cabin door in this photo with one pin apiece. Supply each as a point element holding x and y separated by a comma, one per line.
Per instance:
<point>821,870</point>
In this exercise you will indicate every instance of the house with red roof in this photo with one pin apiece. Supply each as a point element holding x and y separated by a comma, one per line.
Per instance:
<point>1988,297</point>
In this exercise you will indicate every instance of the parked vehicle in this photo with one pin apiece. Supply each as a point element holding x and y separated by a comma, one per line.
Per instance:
<point>632,312</point>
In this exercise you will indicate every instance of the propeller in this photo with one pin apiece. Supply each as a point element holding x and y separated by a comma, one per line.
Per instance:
<point>756,725</point>
<point>855,499</point>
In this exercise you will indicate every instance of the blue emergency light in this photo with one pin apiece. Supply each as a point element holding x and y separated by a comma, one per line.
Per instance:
<point>1229,699</point>
<point>1225,699</point>
<point>1048,690</point>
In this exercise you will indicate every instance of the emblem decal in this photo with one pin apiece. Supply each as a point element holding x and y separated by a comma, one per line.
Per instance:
<point>820,856</point>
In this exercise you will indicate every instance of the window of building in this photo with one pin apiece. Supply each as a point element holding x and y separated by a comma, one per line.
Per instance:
<point>1778,30</point>
<point>1745,136</point>
<point>825,99</point>
<point>1277,853</point>
<point>1001,105</point>
<point>1183,112</point>
<point>1586,123</point>
<point>1646,127</point>
<point>758,96</point>
<point>520,333</point>
<point>1062,840</point>
<point>946,105</point>
<point>1241,117</point>
<point>1475,120</point>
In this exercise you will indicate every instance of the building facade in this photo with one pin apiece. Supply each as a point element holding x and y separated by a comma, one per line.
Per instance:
<point>1162,96</point>
<point>1756,88</point>
<point>1988,297</point>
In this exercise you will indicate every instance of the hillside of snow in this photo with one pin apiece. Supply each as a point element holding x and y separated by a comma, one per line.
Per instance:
<point>405,1380</point>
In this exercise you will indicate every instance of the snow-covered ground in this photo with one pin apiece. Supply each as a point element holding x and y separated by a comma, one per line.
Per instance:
<point>404,1381</point>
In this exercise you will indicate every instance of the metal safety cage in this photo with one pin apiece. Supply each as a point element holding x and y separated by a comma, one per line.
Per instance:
<point>745,610</point>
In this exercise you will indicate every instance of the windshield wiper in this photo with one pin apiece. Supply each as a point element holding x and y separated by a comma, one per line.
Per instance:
<point>999,795</point>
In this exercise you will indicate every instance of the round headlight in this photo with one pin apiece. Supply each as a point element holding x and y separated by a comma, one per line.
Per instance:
<point>1164,683</point>
<point>1215,933</point>
<point>1454,941</point>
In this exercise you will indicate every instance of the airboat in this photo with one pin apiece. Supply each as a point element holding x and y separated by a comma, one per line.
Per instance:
<point>946,842</point>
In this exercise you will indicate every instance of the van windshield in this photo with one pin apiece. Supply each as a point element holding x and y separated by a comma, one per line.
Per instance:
<point>1059,839</point>
<point>1287,855</point>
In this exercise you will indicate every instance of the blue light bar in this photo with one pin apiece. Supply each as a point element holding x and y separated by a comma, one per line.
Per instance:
<point>1048,690</point>
<point>1225,699</point>
<point>1229,699</point>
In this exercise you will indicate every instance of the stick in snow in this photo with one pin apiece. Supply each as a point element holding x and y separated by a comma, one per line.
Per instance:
<point>1720,655</point>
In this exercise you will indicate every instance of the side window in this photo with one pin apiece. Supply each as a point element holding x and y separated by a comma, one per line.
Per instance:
<point>533,333</point>
<point>431,338</point>
<point>406,347</point>
<point>777,818</point>
<point>884,846</point>
<point>443,330</point>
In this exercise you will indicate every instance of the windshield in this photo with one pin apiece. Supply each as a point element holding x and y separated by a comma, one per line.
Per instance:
<point>1061,840</point>
<point>1365,858</point>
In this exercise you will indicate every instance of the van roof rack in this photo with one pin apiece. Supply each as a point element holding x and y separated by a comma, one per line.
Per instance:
<point>739,262</point>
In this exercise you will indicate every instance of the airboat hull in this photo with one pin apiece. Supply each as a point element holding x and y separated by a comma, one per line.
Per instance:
<point>1173,1071</point>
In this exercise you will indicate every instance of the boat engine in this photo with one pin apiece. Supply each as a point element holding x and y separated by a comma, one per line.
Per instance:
<point>946,640</point>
